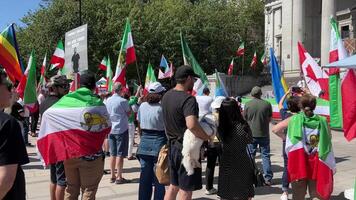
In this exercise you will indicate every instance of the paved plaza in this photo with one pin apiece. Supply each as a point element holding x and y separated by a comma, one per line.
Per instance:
<point>37,178</point>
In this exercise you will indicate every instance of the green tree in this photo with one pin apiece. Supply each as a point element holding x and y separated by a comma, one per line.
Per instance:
<point>213,29</point>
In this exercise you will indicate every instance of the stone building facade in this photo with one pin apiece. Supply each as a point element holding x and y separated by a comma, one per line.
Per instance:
<point>307,21</point>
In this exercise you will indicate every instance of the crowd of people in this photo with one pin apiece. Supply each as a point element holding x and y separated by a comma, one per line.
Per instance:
<point>160,117</point>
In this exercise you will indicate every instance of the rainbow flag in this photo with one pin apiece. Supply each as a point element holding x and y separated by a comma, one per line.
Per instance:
<point>279,83</point>
<point>9,54</point>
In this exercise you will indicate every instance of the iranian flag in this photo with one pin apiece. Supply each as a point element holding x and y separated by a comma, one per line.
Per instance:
<point>315,77</point>
<point>109,73</point>
<point>337,52</point>
<point>42,82</point>
<point>264,59</point>
<point>75,84</point>
<point>241,50</point>
<point>310,152</point>
<point>254,61</point>
<point>348,90</point>
<point>150,78</point>
<point>231,68</point>
<point>102,65</point>
<point>57,59</point>
<point>189,59</point>
<point>75,126</point>
<point>22,85</point>
<point>127,55</point>
<point>30,94</point>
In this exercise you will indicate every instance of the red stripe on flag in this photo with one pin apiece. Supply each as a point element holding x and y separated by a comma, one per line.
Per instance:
<point>64,145</point>
<point>324,181</point>
<point>348,91</point>
<point>12,66</point>
<point>297,165</point>
<point>130,55</point>
<point>55,60</point>
<point>333,56</point>
<point>122,77</point>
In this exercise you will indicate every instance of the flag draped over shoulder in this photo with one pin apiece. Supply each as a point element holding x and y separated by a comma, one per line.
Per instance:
<point>310,152</point>
<point>279,84</point>
<point>316,78</point>
<point>9,54</point>
<point>75,126</point>
<point>127,55</point>
<point>190,60</point>
<point>337,52</point>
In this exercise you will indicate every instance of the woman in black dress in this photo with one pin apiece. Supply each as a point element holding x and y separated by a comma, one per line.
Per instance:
<point>235,170</point>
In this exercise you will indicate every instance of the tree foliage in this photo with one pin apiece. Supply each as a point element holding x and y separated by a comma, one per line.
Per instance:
<point>213,28</point>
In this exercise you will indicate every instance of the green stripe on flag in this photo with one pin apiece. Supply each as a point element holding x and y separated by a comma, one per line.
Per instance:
<point>30,95</point>
<point>83,97</point>
<point>335,101</point>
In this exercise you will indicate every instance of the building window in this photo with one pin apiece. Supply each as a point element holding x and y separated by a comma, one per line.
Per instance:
<point>345,31</point>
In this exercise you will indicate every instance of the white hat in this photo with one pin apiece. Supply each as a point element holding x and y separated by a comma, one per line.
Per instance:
<point>156,87</point>
<point>217,102</point>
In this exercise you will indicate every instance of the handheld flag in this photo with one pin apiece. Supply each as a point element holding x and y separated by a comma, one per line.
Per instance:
<point>102,65</point>
<point>65,131</point>
<point>30,94</point>
<point>190,60</point>
<point>264,59</point>
<point>231,68</point>
<point>220,89</point>
<point>254,61</point>
<point>241,50</point>
<point>337,52</point>
<point>150,78</point>
<point>57,59</point>
<point>315,77</point>
<point>127,55</point>
<point>279,84</point>
<point>164,64</point>
<point>9,54</point>
<point>168,70</point>
<point>109,73</point>
<point>42,82</point>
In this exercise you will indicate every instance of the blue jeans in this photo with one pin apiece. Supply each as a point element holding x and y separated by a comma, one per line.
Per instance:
<point>148,179</point>
<point>264,144</point>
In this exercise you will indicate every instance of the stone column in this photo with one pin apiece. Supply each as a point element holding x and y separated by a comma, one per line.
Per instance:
<point>327,10</point>
<point>298,32</point>
<point>287,36</point>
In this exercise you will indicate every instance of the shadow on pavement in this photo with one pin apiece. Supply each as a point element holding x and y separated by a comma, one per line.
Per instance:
<point>341,159</point>
<point>267,190</point>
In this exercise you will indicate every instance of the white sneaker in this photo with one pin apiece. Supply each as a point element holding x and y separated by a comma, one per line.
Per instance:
<point>284,196</point>
<point>211,191</point>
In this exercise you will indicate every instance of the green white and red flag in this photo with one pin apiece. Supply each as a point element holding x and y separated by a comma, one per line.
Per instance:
<point>310,152</point>
<point>337,52</point>
<point>57,59</point>
<point>241,50</point>
<point>109,74</point>
<point>102,65</point>
<point>42,82</point>
<point>254,61</point>
<point>22,84</point>
<point>150,78</point>
<point>231,68</point>
<point>264,58</point>
<point>127,55</point>
<point>348,91</point>
<point>30,94</point>
<point>73,127</point>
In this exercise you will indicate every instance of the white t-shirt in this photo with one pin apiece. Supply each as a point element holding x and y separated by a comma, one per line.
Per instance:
<point>204,103</point>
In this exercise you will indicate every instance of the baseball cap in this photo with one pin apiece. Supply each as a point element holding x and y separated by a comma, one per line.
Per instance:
<point>156,87</point>
<point>58,80</point>
<point>185,71</point>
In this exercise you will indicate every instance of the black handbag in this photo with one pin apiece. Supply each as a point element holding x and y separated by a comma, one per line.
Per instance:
<point>258,179</point>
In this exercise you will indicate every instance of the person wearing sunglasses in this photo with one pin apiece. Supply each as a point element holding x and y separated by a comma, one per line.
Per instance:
<point>58,86</point>
<point>13,152</point>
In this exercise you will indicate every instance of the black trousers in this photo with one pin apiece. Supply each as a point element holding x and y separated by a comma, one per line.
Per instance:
<point>213,153</point>
<point>34,120</point>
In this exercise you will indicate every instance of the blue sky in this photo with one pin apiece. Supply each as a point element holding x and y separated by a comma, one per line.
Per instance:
<point>13,10</point>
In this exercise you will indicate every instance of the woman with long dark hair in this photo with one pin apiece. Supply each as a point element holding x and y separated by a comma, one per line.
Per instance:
<point>150,120</point>
<point>236,169</point>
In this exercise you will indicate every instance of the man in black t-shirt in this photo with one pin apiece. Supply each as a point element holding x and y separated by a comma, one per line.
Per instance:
<point>13,152</point>
<point>180,111</point>
<point>58,87</point>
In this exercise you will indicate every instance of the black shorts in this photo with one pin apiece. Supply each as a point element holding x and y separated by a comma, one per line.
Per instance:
<point>178,174</point>
<point>58,176</point>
